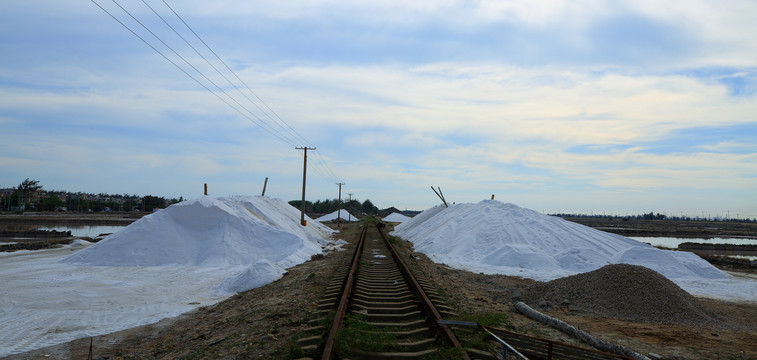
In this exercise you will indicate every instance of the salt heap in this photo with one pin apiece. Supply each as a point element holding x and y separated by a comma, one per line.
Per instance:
<point>260,234</point>
<point>497,238</point>
<point>342,214</point>
<point>396,217</point>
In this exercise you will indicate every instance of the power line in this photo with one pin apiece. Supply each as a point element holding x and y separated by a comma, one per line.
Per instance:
<point>216,69</point>
<point>282,130</point>
<point>262,124</point>
<point>185,72</point>
<point>301,138</point>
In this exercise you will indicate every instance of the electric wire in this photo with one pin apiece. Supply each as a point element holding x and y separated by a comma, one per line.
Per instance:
<point>302,138</point>
<point>200,72</point>
<point>215,68</point>
<point>286,133</point>
<point>185,72</point>
<point>330,174</point>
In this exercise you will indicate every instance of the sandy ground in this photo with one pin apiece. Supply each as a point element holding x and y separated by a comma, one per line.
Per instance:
<point>263,323</point>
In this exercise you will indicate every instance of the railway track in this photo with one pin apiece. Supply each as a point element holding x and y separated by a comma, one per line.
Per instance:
<point>375,308</point>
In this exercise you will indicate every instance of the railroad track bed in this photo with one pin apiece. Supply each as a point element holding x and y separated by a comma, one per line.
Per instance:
<point>375,308</point>
<point>379,311</point>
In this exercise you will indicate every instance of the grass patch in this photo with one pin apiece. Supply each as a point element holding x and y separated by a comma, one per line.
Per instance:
<point>488,319</point>
<point>473,337</point>
<point>360,334</point>
<point>445,354</point>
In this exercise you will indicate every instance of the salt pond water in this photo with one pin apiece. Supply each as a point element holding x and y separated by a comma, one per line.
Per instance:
<point>86,230</point>
<point>672,242</point>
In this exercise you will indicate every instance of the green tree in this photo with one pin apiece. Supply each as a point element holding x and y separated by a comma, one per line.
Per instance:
<point>152,202</point>
<point>30,185</point>
<point>368,207</point>
<point>50,203</point>
<point>20,196</point>
<point>297,203</point>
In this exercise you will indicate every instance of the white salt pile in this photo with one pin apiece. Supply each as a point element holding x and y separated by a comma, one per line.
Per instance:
<point>191,254</point>
<point>396,217</point>
<point>497,238</point>
<point>342,214</point>
<point>211,232</point>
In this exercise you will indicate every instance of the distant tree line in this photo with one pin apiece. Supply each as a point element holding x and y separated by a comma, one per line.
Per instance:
<point>328,206</point>
<point>656,216</point>
<point>30,196</point>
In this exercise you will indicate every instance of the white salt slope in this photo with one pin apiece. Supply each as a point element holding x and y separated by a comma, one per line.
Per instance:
<point>213,232</point>
<point>493,237</point>
<point>343,214</point>
<point>45,302</point>
<point>210,232</point>
<point>396,217</point>
<point>191,254</point>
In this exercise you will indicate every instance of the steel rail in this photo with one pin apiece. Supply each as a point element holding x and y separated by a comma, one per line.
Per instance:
<point>436,317</point>
<point>341,310</point>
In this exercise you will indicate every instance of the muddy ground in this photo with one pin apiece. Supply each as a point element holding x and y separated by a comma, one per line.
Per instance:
<point>264,323</point>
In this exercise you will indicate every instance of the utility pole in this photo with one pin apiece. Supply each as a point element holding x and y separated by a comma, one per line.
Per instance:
<point>349,215</point>
<point>304,173</point>
<point>264,185</point>
<point>339,207</point>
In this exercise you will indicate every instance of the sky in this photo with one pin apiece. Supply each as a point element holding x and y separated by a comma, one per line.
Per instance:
<point>614,107</point>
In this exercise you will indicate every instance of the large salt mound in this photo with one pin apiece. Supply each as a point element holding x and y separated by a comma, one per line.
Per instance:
<point>342,214</point>
<point>497,238</point>
<point>259,233</point>
<point>396,217</point>
<point>622,291</point>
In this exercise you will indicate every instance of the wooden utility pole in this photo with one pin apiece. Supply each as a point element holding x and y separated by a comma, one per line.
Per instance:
<point>349,215</point>
<point>339,207</point>
<point>304,173</point>
<point>265,183</point>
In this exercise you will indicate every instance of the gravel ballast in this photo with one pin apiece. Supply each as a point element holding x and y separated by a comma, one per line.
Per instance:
<point>622,291</point>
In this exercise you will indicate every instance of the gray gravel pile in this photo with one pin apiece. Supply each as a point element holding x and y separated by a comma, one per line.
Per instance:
<point>622,291</point>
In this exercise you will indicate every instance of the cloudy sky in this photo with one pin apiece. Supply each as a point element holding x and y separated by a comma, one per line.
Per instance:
<point>558,106</point>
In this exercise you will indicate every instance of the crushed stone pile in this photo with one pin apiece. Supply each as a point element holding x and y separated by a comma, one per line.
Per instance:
<point>622,291</point>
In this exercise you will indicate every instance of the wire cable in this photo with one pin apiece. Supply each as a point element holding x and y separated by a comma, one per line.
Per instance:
<point>271,129</point>
<point>302,138</point>
<point>184,71</point>
<point>215,68</point>
<point>283,130</point>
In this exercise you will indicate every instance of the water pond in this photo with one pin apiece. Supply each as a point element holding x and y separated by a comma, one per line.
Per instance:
<point>84,230</point>
<point>672,242</point>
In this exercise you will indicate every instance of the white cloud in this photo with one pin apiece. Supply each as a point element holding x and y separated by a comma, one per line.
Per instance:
<point>397,125</point>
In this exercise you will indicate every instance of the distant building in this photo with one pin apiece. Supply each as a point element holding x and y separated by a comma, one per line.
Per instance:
<point>6,193</point>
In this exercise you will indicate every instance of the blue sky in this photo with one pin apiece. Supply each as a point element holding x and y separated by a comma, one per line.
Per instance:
<point>580,106</point>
